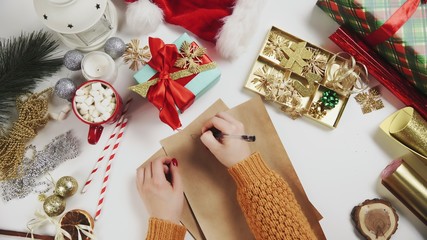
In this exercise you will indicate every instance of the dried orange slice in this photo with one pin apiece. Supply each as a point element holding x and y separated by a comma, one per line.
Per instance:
<point>73,218</point>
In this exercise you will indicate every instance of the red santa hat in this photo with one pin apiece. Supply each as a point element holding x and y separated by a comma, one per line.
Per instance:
<point>227,23</point>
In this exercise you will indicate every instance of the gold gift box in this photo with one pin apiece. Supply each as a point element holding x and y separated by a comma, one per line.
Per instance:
<point>291,72</point>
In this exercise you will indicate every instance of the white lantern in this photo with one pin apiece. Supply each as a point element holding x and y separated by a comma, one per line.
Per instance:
<point>81,24</point>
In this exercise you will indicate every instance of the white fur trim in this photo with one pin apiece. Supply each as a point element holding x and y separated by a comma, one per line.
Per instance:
<point>237,28</point>
<point>143,17</point>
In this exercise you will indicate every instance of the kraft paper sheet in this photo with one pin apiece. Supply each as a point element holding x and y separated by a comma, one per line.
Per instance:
<point>213,211</point>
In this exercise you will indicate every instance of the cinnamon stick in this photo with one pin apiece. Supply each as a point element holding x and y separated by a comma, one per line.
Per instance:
<point>25,235</point>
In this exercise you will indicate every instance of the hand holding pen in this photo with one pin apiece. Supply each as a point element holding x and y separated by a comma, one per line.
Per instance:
<point>223,135</point>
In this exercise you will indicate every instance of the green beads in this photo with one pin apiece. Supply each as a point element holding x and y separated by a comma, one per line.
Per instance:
<point>329,99</point>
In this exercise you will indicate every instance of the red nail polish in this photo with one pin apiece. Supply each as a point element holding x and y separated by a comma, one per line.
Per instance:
<point>175,162</point>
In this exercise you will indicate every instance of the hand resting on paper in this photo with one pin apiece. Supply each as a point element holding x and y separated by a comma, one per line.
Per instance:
<point>229,151</point>
<point>281,218</point>
<point>160,187</point>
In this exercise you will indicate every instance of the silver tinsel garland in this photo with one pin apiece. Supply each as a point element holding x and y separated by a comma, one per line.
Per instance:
<point>60,149</point>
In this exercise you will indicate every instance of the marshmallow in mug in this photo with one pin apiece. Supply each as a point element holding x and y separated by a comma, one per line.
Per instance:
<point>95,102</point>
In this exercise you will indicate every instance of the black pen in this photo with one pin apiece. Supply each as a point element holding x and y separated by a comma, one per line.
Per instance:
<point>219,135</point>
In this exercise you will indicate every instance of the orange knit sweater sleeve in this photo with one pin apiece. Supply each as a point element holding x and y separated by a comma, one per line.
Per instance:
<point>268,203</point>
<point>159,229</point>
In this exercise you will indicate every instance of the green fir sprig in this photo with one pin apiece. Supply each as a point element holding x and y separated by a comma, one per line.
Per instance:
<point>24,61</point>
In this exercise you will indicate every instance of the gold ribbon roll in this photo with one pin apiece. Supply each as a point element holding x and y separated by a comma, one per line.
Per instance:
<point>408,186</point>
<point>408,128</point>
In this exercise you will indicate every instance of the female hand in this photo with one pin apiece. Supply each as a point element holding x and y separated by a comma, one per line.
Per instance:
<point>160,187</point>
<point>228,151</point>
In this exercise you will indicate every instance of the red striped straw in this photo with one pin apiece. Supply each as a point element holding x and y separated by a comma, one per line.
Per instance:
<point>107,146</point>
<point>125,110</point>
<point>103,154</point>
<point>107,171</point>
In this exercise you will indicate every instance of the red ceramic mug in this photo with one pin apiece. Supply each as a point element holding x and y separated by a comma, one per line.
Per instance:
<point>97,104</point>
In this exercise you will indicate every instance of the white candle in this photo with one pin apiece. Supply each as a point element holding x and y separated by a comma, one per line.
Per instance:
<point>100,66</point>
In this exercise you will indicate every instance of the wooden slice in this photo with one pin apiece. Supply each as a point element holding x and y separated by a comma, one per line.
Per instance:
<point>375,219</point>
<point>73,218</point>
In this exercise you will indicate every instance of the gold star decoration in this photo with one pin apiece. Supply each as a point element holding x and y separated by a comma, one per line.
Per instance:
<point>317,63</point>
<point>190,56</point>
<point>370,100</point>
<point>273,47</point>
<point>136,55</point>
<point>296,54</point>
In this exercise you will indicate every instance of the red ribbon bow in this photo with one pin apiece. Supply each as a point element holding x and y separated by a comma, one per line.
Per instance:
<point>394,23</point>
<point>167,94</point>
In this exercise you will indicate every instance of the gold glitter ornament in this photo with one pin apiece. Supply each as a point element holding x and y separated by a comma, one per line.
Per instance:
<point>54,205</point>
<point>66,186</point>
<point>297,54</point>
<point>370,101</point>
<point>304,90</point>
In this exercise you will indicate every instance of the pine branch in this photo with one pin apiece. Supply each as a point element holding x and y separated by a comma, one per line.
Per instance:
<point>24,62</point>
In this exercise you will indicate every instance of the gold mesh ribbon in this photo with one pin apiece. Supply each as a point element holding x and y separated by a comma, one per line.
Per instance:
<point>142,88</point>
<point>32,115</point>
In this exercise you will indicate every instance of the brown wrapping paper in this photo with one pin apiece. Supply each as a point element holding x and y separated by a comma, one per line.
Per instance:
<point>208,186</point>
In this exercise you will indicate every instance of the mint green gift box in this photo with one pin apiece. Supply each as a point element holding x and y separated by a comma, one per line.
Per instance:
<point>198,85</point>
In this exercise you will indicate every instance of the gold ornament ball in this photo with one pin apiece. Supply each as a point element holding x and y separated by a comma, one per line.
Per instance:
<point>66,186</point>
<point>54,205</point>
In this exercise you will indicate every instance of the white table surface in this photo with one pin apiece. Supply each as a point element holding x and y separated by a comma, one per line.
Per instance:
<point>338,168</point>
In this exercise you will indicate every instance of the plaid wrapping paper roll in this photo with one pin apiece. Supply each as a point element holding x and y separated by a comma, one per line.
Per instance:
<point>406,50</point>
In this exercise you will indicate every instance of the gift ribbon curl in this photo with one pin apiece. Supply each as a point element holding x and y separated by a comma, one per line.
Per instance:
<point>167,91</point>
<point>349,76</point>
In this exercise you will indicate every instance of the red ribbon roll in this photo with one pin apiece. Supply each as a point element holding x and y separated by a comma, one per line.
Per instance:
<point>394,23</point>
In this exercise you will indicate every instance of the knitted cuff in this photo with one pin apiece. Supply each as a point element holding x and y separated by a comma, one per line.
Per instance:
<point>164,230</point>
<point>250,170</point>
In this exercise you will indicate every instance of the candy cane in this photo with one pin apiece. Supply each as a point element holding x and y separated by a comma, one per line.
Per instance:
<point>107,171</point>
